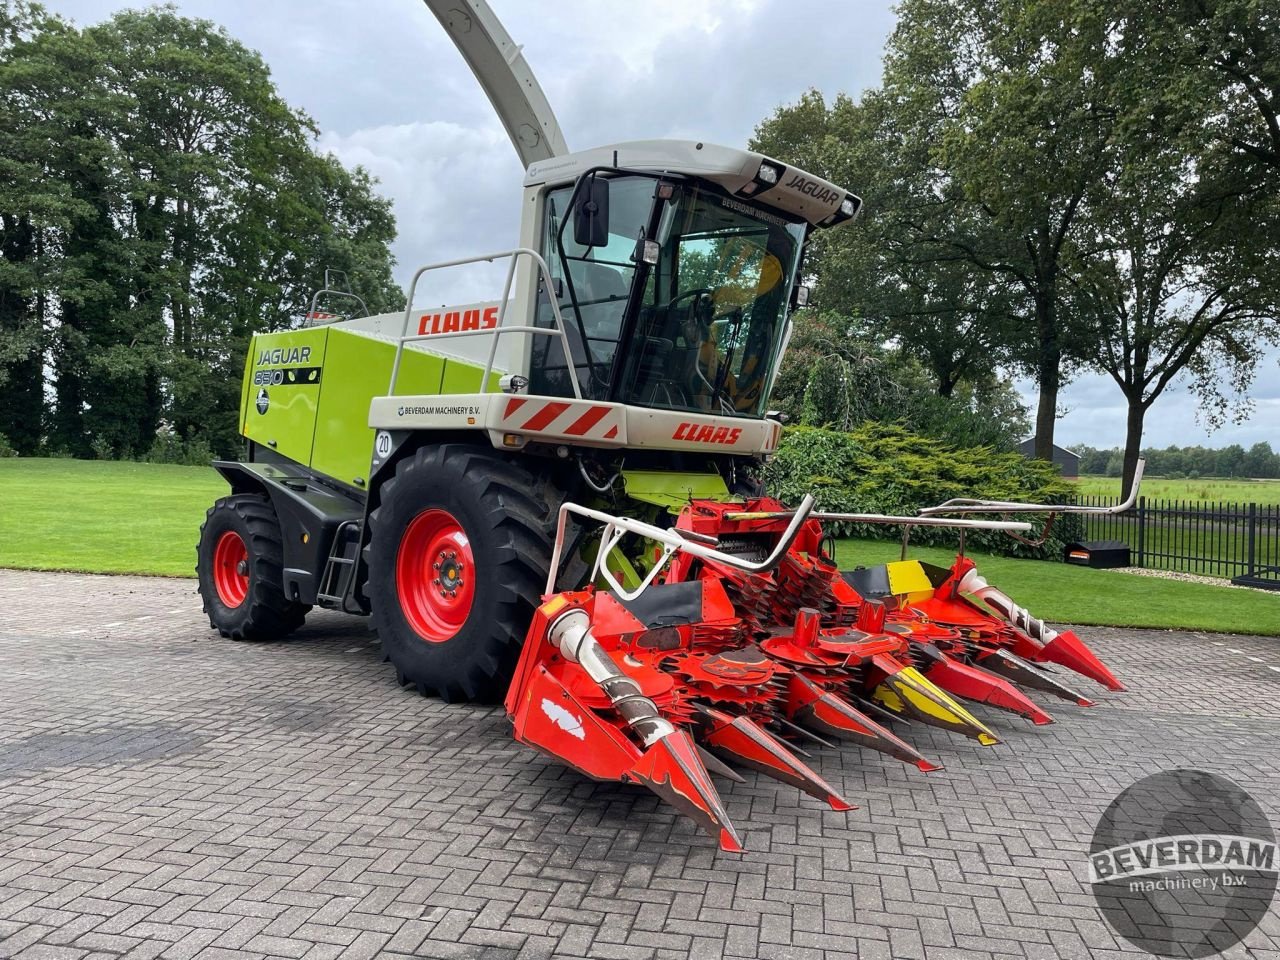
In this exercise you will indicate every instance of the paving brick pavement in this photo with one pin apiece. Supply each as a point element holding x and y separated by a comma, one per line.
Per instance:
<point>166,793</point>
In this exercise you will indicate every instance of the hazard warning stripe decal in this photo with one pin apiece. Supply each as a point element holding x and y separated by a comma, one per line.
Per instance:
<point>545,416</point>
<point>514,404</point>
<point>586,421</point>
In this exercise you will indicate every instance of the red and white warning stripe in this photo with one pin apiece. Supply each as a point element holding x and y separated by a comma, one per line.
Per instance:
<point>563,418</point>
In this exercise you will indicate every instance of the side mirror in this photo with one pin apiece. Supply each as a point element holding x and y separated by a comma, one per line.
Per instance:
<point>591,215</point>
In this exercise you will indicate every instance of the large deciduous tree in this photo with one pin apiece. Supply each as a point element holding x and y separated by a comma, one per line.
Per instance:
<point>973,158</point>
<point>163,203</point>
<point>1060,185</point>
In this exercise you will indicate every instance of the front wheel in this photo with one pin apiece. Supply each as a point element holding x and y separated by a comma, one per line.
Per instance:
<point>458,553</point>
<point>240,570</point>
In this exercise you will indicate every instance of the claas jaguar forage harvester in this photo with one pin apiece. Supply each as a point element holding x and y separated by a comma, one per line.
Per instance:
<point>553,496</point>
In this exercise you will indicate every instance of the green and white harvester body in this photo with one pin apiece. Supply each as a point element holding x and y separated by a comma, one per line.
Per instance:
<point>555,494</point>
<point>410,466</point>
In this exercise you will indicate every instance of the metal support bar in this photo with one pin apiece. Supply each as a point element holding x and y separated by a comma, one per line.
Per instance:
<point>884,519</point>
<point>544,272</point>
<point>615,528</point>
<point>966,505</point>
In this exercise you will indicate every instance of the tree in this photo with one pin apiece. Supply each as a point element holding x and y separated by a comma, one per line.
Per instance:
<point>1230,49</point>
<point>1023,133</point>
<point>1259,462</point>
<point>839,373</point>
<point>43,75</point>
<point>1173,249</point>
<point>974,158</point>
<point>160,202</point>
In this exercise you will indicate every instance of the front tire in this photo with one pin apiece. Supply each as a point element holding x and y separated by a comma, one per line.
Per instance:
<point>458,552</point>
<point>240,570</point>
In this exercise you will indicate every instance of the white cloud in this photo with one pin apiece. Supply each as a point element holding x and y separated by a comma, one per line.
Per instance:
<point>443,211</point>
<point>390,92</point>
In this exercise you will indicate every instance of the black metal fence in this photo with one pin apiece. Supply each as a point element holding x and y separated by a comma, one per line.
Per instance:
<point>1236,540</point>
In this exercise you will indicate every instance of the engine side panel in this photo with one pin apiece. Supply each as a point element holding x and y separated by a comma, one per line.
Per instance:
<point>284,376</point>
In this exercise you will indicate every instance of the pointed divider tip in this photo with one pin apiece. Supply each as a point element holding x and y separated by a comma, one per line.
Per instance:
<point>672,768</point>
<point>749,744</point>
<point>828,713</point>
<point>1026,674</point>
<point>1068,650</point>
<point>909,694</point>
<point>982,686</point>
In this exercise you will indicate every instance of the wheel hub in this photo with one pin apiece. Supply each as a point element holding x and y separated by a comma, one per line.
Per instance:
<point>434,575</point>
<point>231,569</point>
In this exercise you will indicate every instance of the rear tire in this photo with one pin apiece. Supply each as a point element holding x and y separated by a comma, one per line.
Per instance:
<point>240,569</point>
<point>458,552</point>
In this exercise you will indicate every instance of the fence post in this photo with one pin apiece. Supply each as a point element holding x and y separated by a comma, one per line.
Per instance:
<point>1253,538</point>
<point>1142,531</point>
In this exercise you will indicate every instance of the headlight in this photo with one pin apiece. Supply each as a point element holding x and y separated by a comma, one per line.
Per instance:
<point>768,173</point>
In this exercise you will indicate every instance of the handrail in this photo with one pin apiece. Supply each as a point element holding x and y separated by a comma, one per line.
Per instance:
<point>885,519</point>
<point>673,541</point>
<point>315,299</point>
<point>498,330</point>
<point>966,505</point>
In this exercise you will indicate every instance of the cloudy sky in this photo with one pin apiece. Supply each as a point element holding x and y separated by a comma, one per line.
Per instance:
<point>384,83</point>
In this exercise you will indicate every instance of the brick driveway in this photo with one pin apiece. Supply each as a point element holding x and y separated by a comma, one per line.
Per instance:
<point>167,793</point>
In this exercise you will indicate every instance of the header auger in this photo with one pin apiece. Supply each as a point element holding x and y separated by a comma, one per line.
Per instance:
<point>562,485</point>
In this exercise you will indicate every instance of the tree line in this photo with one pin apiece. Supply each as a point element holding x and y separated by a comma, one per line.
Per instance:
<point>1259,462</point>
<point>159,202</point>
<point>1055,186</point>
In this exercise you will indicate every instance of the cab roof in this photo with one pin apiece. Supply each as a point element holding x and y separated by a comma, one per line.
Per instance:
<point>750,176</point>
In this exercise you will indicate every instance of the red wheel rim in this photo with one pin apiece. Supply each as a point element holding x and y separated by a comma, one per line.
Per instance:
<point>435,575</point>
<point>231,569</point>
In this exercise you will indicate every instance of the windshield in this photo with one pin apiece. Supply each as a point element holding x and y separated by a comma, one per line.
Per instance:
<point>708,327</point>
<point>711,324</point>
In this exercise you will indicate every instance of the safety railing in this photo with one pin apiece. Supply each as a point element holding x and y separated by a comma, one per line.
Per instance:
<point>673,540</point>
<point>497,331</point>
<point>315,317</point>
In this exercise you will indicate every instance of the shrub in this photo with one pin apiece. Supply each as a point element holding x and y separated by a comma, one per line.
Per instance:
<point>101,448</point>
<point>881,468</point>
<point>171,448</point>
<point>5,449</point>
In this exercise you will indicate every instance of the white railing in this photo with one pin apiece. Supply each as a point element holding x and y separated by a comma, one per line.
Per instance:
<point>966,505</point>
<point>497,331</point>
<point>673,540</point>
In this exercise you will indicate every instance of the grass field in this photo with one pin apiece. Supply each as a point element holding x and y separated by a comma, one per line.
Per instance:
<point>100,517</point>
<point>1230,491</point>
<point>103,517</point>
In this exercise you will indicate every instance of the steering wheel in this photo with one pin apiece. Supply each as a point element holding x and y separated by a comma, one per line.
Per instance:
<point>707,292</point>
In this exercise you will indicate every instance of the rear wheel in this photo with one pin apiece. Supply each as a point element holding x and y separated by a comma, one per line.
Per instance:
<point>458,553</point>
<point>240,569</point>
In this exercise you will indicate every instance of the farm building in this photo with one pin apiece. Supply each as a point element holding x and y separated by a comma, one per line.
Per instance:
<point>1068,460</point>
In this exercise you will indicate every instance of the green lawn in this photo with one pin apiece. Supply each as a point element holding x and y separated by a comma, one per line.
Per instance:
<point>1230,491</point>
<point>103,517</point>
<point>144,518</point>
<point>1063,593</point>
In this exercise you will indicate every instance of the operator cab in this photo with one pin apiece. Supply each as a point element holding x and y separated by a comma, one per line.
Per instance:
<point>674,266</point>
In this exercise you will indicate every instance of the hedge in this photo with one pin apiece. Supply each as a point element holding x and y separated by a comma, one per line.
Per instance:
<point>882,468</point>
